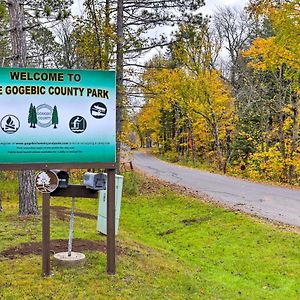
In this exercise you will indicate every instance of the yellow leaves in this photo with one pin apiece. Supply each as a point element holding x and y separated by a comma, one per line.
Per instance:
<point>266,164</point>
<point>149,117</point>
<point>288,124</point>
<point>259,7</point>
<point>164,86</point>
<point>271,164</point>
<point>287,109</point>
<point>282,49</point>
<point>212,97</point>
<point>276,11</point>
<point>267,54</point>
<point>201,99</point>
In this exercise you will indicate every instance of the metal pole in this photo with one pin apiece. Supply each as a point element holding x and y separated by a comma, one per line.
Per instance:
<point>71,227</point>
<point>46,235</point>
<point>111,238</point>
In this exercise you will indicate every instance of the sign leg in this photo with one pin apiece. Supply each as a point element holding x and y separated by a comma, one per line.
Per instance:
<point>71,228</point>
<point>111,211</point>
<point>46,235</point>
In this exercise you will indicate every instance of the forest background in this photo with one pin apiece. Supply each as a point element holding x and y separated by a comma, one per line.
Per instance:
<point>238,115</point>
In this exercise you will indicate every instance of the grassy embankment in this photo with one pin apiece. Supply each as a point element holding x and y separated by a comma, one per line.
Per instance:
<point>174,247</point>
<point>234,171</point>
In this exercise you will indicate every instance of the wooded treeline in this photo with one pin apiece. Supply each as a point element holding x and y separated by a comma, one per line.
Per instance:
<point>108,34</point>
<point>238,114</point>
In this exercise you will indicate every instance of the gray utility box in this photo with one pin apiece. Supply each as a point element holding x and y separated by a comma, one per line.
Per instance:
<point>95,181</point>
<point>102,208</point>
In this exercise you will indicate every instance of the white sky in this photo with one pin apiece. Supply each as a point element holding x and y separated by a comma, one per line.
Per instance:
<point>209,8</point>
<point>211,5</point>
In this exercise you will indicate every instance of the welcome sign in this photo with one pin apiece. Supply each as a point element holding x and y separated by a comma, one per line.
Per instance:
<point>57,116</point>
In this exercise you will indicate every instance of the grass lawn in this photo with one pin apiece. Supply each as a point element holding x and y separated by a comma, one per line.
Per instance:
<point>173,246</point>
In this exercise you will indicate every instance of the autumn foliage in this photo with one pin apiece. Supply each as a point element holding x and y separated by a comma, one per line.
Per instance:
<point>194,113</point>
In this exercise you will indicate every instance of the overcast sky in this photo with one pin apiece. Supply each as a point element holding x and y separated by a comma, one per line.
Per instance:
<point>211,5</point>
<point>209,8</point>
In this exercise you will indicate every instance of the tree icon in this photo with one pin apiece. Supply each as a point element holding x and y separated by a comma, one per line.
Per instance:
<point>30,115</point>
<point>34,117</point>
<point>43,179</point>
<point>54,117</point>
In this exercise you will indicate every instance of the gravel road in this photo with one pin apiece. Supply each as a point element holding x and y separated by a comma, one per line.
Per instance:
<point>272,202</point>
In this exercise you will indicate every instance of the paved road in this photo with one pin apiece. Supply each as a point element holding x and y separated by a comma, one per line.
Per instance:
<point>272,202</point>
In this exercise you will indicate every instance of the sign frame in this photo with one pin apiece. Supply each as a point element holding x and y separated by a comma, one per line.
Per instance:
<point>102,136</point>
<point>49,166</point>
<point>73,191</point>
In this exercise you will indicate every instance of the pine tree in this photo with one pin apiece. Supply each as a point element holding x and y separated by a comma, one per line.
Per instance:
<point>37,12</point>
<point>4,37</point>
<point>30,115</point>
<point>134,20</point>
<point>27,194</point>
<point>54,117</point>
<point>34,117</point>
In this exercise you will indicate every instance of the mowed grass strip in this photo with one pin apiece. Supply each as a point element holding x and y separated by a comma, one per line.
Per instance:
<point>175,247</point>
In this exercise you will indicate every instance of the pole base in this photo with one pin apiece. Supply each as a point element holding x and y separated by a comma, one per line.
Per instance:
<point>62,259</point>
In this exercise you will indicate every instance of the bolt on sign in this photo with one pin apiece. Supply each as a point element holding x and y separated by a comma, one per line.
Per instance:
<point>57,116</point>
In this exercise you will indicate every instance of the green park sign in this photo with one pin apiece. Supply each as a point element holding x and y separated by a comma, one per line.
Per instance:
<point>57,116</point>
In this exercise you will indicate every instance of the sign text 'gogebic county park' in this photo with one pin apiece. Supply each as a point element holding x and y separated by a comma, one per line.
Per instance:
<point>57,116</point>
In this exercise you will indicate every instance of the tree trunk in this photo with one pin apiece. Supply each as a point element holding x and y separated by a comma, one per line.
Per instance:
<point>17,34</point>
<point>228,150</point>
<point>106,35</point>
<point>120,77</point>
<point>295,136</point>
<point>27,192</point>
<point>218,147</point>
<point>282,143</point>
<point>191,141</point>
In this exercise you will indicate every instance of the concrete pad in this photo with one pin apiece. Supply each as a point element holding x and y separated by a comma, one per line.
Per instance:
<point>62,259</point>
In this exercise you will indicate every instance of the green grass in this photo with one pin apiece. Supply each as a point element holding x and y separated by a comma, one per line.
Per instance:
<point>177,247</point>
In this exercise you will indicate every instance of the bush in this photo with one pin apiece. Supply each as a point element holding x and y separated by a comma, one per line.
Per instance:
<point>131,183</point>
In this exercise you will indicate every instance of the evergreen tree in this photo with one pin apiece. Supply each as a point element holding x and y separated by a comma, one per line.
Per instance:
<point>127,24</point>
<point>23,17</point>
<point>34,117</point>
<point>30,113</point>
<point>54,117</point>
